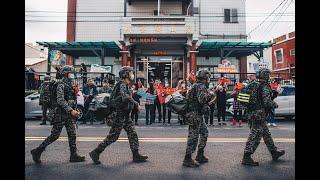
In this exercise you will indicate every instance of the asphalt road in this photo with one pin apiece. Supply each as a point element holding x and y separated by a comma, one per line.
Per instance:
<point>165,145</point>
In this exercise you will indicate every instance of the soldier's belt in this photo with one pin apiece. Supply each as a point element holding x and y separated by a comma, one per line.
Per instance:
<point>243,97</point>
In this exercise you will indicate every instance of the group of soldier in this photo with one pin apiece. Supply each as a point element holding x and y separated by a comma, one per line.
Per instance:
<point>64,111</point>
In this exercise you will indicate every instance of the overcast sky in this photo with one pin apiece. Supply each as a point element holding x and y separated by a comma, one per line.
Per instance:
<point>271,28</point>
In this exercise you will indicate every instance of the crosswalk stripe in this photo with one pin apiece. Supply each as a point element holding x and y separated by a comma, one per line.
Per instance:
<point>215,140</point>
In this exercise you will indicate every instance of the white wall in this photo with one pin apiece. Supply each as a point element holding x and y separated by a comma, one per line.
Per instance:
<point>215,25</point>
<point>99,31</point>
<point>34,51</point>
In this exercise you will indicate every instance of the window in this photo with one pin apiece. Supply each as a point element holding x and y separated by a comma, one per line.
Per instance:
<point>292,52</point>
<point>250,66</point>
<point>288,91</point>
<point>230,15</point>
<point>279,55</point>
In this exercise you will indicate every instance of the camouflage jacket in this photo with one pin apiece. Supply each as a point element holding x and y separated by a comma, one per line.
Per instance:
<point>197,97</point>
<point>44,94</point>
<point>66,97</point>
<point>266,93</point>
<point>121,98</point>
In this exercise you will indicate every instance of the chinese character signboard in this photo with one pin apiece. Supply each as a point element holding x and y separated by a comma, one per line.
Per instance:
<point>226,67</point>
<point>100,69</point>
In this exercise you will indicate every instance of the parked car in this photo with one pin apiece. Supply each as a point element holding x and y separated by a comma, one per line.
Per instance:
<point>285,100</point>
<point>32,109</point>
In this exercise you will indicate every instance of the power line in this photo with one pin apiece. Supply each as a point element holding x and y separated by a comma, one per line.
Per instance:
<point>262,31</point>
<point>278,19</point>
<point>266,18</point>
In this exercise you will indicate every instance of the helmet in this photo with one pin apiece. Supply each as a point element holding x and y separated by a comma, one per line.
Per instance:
<point>263,74</point>
<point>203,74</point>
<point>124,71</point>
<point>46,78</point>
<point>67,69</point>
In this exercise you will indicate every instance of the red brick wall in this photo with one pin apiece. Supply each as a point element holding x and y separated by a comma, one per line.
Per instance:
<point>71,18</point>
<point>287,59</point>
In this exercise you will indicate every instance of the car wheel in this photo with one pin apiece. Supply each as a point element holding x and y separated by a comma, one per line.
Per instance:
<point>80,109</point>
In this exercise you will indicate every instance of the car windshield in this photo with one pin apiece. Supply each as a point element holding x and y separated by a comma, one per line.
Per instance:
<point>288,91</point>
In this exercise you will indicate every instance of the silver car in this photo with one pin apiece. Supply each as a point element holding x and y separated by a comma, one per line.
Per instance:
<point>285,100</point>
<point>32,109</point>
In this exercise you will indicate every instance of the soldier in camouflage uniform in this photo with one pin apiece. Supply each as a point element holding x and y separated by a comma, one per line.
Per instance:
<point>197,98</point>
<point>44,98</point>
<point>123,103</point>
<point>63,105</point>
<point>257,121</point>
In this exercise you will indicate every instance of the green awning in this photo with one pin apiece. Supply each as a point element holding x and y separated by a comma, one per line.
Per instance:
<point>84,49</point>
<point>237,48</point>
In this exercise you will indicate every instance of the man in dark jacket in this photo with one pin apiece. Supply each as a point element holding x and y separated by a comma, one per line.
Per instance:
<point>221,95</point>
<point>89,91</point>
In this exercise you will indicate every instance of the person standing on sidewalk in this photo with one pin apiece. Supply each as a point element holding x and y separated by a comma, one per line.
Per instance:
<point>166,91</point>
<point>221,95</point>
<point>150,107</point>
<point>237,107</point>
<point>135,112</point>
<point>275,89</point>
<point>83,71</point>
<point>159,88</point>
<point>89,92</point>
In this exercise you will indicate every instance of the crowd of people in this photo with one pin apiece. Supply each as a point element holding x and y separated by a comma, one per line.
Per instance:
<point>157,91</point>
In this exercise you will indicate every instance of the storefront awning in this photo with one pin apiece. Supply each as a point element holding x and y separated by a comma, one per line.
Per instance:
<point>84,49</point>
<point>234,49</point>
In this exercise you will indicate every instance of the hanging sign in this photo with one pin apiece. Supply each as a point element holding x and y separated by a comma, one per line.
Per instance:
<point>100,69</point>
<point>226,67</point>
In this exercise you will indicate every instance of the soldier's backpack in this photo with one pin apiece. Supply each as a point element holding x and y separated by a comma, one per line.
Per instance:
<point>250,95</point>
<point>44,98</point>
<point>177,103</point>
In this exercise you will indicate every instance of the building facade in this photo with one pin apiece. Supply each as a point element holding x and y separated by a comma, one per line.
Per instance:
<point>283,56</point>
<point>158,38</point>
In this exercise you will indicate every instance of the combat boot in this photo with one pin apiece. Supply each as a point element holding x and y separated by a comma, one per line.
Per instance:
<point>138,157</point>
<point>201,158</point>
<point>36,153</point>
<point>189,162</point>
<point>74,156</point>
<point>95,156</point>
<point>247,160</point>
<point>276,154</point>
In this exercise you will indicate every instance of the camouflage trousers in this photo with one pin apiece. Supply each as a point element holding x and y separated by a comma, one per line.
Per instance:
<point>122,121</point>
<point>55,133</point>
<point>258,130</point>
<point>196,128</point>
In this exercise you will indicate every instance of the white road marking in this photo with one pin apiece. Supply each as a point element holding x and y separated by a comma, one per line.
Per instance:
<point>211,140</point>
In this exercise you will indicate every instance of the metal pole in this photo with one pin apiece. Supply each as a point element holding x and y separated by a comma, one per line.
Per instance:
<point>159,7</point>
<point>125,8</point>
<point>102,63</point>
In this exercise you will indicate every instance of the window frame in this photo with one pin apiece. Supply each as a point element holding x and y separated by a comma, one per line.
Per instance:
<point>275,55</point>
<point>231,17</point>
<point>294,50</point>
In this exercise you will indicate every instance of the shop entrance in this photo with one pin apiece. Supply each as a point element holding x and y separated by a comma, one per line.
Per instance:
<point>163,68</point>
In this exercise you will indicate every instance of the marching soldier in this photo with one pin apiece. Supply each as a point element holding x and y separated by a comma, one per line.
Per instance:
<point>123,103</point>
<point>198,96</point>
<point>64,111</point>
<point>257,119</point>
